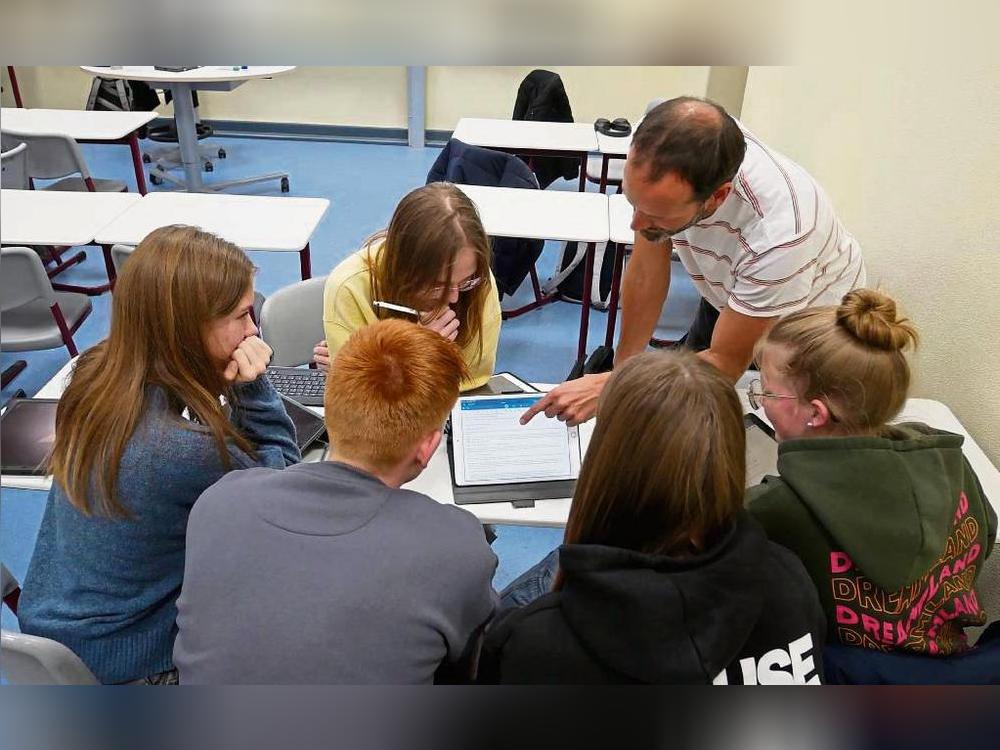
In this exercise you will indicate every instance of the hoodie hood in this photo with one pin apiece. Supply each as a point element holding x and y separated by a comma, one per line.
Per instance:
<point>659,619</point>
<point>887,501</point>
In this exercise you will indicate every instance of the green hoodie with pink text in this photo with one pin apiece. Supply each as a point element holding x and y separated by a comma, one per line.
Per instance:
<point>893,530</point>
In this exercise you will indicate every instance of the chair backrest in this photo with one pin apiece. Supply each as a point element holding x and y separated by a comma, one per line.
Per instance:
<point>119,254</point>
<point>23,279</point>
<point>50,156</point>
<point>291,321</point>
<point>30,660</point>
<point>14,168</point>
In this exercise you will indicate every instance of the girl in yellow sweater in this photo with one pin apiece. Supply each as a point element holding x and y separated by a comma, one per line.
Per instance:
<point>433,259</point>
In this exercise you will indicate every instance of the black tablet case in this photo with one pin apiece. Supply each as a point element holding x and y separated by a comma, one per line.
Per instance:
<point>518,493</point>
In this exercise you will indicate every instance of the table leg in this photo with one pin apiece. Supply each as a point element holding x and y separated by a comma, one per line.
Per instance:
<point>616,285</point>
<point>305,262</point>
<point>583,173</point>
<point>93,291</point>
<point>588,280</point>
<point>604,173</point>
<point>14,88</point>
<point>140,176</point>
<point>187,135</point>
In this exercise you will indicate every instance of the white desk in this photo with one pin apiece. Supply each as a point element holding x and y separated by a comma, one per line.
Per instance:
<point>252,222</point>
<point>53,217</point>
<point>83,126</point>
<point>181,84</point>
<point>570,139</point>
<point>435,481</point>
<point>546,215</point>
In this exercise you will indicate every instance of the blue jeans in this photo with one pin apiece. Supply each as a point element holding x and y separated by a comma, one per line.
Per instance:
<point>531,584</point>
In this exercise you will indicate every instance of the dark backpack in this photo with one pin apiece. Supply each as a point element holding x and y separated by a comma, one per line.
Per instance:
<point>119,95</point>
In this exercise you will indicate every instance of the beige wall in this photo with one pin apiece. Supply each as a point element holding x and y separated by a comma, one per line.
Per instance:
<point>376,96</point>
<point>910,156</point>
<point>454,92</point>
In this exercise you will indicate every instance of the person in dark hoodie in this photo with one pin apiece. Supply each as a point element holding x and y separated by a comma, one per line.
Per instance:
<point>889,520</point>
<point>663,576</point>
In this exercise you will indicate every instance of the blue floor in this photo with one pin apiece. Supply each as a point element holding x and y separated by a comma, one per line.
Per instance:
<point>364,182</point>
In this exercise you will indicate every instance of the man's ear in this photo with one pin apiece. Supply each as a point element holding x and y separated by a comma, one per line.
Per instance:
<point>720,194</point>
<point>426,447</point>
<point>820,416</point>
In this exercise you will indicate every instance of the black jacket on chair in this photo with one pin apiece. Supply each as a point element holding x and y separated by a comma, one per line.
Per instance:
<point>744,611</point>
<point>542,97</point>
<point>463,164</point>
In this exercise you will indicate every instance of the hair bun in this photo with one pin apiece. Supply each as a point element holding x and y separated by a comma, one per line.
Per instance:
<point>870,316</point>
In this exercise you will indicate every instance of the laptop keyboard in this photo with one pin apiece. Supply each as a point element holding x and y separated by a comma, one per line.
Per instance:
<point>301,384</point>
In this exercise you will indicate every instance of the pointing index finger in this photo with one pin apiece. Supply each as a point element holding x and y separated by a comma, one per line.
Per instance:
<point>540,405</point>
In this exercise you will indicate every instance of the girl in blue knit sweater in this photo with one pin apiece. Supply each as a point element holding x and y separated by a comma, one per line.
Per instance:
<point>175,397</point>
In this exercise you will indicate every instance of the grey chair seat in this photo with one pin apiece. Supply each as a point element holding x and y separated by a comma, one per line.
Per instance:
<point>31,326</point>
<point>616,168</point>
<point>77,185</point>
<point>30,660</point>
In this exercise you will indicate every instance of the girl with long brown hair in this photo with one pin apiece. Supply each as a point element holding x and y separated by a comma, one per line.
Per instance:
<point>889,519</point>
<point>662,576</point>
<point>434,259</point>
<point>173,399</point>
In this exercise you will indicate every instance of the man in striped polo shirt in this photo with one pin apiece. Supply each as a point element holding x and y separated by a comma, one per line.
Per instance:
<point>757,234</point>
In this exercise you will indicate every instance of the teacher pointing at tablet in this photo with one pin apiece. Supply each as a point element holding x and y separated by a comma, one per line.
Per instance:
<point>757,234</point>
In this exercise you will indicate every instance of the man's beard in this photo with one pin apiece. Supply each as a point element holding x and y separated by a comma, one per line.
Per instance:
<point>658,236</point>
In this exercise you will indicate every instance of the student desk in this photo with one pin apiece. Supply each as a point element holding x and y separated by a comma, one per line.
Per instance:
<point>181,84</point>
<point>249,221</point>
<point>546,215</point>
<point>54,217</point>
<point>435,481</point>
<point>85,127</point>
<point>571,139</point>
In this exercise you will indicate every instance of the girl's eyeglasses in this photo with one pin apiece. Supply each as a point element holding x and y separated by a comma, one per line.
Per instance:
<point>756,394</point>
<point>466,286</point>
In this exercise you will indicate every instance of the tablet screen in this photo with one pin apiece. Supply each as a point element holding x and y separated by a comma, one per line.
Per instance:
<point>493,447</point>
<point>27,432</point>
<point>308,425</point>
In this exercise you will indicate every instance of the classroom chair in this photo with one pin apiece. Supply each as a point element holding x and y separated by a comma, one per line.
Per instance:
<point>291,322</point>
<point>54,156</point>
<point>33,315</point>
<point>14,168</point>
<point>31,660</point>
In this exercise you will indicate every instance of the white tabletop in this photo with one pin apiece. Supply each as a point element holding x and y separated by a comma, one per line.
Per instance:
<point>620,220</point>
<point>250,221</point>
<point>612,146</point>
<point>55,217</point>
<point>526,134</point>
<point>203,74</point>
<point>435,481</point>
<point>80,125</point>
<point>541,214</point>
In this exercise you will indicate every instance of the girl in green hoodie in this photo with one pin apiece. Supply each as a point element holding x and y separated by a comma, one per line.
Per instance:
<point>889,520</point>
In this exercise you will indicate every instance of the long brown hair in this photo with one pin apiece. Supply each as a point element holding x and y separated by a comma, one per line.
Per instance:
<point>176,281</point>
<point>428,229</point>
<point>666,463</point>
<point>850,355</point>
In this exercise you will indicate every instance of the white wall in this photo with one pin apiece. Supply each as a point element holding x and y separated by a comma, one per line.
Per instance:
<point>910,155</point>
